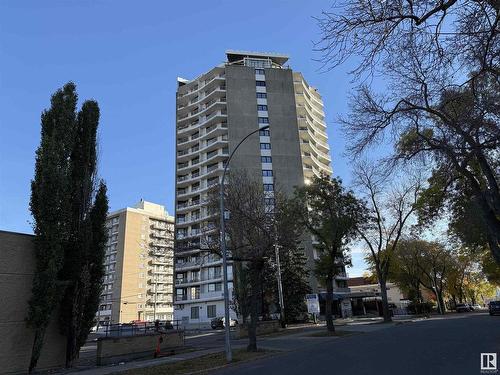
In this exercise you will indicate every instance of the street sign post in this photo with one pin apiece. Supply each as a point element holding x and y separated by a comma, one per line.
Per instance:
<point>312,301</point>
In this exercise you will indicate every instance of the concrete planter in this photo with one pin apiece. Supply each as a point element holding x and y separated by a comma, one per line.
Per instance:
<point>263,328</point>
<point>116,349</point>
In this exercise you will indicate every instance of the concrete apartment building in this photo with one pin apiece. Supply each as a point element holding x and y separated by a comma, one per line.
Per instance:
<point>215,111</point>
<point>138,284</point>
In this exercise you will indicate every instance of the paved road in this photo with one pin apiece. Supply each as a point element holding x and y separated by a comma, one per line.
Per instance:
<point>435,346</point>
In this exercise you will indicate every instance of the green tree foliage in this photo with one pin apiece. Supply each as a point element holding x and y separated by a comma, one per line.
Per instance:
<point>457,275</point>
<point>419,263</point>
<point>490,268</point>
<point>294,267</point>
<point>69,207</point>
<point>295,279</point>
<point>50,208</point>
<point>332,214</point>
<point>446,121</point>
<point>465,180</point>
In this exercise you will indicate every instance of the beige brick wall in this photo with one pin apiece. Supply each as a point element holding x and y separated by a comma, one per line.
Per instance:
<point>132,295</point>
<point>17,264</point>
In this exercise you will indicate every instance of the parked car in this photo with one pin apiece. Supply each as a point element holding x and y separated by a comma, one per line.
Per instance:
<point>477,307</point>
<point>463,307</point>
<point>494,307</point>
<point>218,323</point>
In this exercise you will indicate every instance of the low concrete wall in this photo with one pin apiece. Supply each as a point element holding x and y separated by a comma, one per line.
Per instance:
<point>263,328</point>
<point>17,267</point>
<point>116,349</point>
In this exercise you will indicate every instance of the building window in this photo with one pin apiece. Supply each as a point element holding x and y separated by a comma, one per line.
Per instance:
<point>268,187</point>
<point>211,311</point>
<point>261,95</point>
<point>195,312</point>
<point>261,107</point>
<point>264,133</point>
<point>269,201</point>
<point>266,159</point>
<point>260,83</point>
<point>267,173</point>
<point>259,71</point>
<point>263,120</point>
<point>265,146</point>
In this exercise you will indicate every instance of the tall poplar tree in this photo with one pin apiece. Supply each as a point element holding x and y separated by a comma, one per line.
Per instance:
<point>49,206</point>
<point>70,264</point>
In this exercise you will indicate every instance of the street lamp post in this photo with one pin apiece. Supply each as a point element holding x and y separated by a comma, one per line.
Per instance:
<point>227,321</point>
<point>280,286</point>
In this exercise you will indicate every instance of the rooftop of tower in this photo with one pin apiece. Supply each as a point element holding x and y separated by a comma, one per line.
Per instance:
<point>277,58</point>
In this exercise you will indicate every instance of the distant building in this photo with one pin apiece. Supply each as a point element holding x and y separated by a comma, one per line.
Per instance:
<point>366,298</point>
<point>138,284</point>
<point>215,111</point>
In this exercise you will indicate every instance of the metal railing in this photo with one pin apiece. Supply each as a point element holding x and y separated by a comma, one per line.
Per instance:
<point>138,328</point>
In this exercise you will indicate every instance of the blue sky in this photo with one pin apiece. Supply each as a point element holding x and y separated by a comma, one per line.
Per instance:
<point>127,55</point>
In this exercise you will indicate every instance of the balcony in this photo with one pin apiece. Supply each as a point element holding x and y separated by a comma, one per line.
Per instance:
<point>157,299</point>
<point>160,252</point>
<point>162,244</point>
<point>159,261</point>
<point>196,263</point>
<point>161,280</point>
<point>157,271</point>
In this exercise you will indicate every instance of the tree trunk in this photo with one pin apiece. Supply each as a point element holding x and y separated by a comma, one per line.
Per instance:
<point>37,347</point>
<point>72,333</point>
<point>386,313</point>
<point>441,301</point>
<point>252,326</point>
<point>328,304</point>
<point>489,204</point>
<point>439,298</point>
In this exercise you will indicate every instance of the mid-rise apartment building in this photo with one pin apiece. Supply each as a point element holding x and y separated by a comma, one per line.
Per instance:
<point>138,284</point>
<point>215,111</point>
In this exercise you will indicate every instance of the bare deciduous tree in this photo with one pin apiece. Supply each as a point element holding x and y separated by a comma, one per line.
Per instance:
<point>390,210</point>
<point>257,222</point>
<point>440,62</point>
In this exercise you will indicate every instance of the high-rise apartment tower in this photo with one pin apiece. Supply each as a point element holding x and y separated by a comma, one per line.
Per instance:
<point>215,111</point>
<point>138,284</point>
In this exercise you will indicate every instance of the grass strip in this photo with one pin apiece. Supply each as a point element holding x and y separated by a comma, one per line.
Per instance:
<point>332,334</point>
<point>200,364</point>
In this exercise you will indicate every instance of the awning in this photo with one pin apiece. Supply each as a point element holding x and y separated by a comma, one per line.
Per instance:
<point>336,296</point>
<point>362,294</point>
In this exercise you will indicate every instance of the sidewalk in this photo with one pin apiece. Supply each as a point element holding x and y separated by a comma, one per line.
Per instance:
<point>294,337</point>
